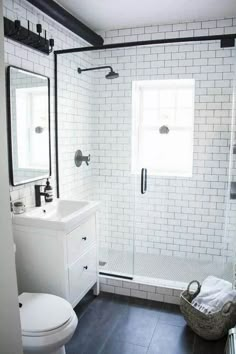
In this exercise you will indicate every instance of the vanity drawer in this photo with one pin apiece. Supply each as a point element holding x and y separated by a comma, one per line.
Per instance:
<point>83,274</point>
<point>80,239</point>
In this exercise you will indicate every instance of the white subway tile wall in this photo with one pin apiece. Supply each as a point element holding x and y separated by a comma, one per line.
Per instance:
<point>26,58</point>
<point>76,120</point>
<point>161,293</point>
<point>183,217</point>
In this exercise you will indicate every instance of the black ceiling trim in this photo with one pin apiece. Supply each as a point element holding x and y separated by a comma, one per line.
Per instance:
<point>58,13</point>
<point>227,40</point>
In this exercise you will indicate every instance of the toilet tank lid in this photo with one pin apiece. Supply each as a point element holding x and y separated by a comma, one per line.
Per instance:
<point>43,312</point>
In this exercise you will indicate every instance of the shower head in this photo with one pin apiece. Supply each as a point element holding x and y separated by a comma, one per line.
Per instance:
<point>111,75</point>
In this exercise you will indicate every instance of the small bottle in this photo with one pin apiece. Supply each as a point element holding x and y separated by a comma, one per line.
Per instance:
<point>49,192</point>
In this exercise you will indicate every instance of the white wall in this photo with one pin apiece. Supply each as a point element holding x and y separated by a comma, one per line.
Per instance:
<point>10,332</point>
<point>23,57</point>
<point>179,216</point>
<point>71,100</point>
<point>183,217</point>
<point>76,119</point>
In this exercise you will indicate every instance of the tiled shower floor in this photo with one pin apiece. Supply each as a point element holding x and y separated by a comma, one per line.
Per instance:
<point>150,268</point>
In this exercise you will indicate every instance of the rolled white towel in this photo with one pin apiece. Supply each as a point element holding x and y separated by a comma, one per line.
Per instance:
<point>214,294</point>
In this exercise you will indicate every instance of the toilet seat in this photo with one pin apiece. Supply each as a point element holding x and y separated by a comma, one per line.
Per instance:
<point>43,314</point>
<point>55,331</point>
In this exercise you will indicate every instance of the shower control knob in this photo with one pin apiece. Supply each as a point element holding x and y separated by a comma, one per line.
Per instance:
<point>86,267</point>
<point>84,238</point>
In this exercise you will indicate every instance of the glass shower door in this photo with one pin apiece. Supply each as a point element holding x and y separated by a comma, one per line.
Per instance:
<point>116,227</point>
<point>181,141</point>
<point>115,183</point>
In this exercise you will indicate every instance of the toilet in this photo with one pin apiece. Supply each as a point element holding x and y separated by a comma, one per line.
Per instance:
<point>47,321</point>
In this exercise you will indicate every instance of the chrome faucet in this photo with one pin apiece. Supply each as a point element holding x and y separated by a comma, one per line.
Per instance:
<point>38,194</point>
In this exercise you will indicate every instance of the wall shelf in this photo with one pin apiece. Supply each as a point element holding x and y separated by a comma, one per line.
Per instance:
<point>26,37</point>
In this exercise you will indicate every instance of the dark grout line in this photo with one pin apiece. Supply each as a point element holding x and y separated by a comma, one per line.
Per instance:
<point>113,327</point>
<point>158,320</point>
<point>194,343</point>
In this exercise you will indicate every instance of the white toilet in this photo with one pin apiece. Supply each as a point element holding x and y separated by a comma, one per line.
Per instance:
<point>47,321</point>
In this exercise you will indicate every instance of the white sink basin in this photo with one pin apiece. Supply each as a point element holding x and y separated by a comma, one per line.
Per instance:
<point>59,215</point>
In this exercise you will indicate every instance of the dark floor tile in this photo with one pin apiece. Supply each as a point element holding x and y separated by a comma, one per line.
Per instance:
<point>171,314</point>
<point>171,308</point>
<point>171,339</point>
<point>96,325</point>
<point>202,346</point>
<point>121,300</point>
<point>113,324</point>
<point>144,303</point>
<point>137,324</point>
<point>117,347</point>
<point>117,302</point>
<point>84,304</point>
<point>80,341</point>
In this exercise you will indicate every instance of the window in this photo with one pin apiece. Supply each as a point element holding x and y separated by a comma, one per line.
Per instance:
<point>32,112</point>
<point>163,118</point>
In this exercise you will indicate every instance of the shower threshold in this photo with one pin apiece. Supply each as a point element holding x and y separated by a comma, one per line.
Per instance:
<point>158,270</point>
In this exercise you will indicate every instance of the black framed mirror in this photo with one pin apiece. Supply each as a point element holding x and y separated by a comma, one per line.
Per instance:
<point>28,125</point>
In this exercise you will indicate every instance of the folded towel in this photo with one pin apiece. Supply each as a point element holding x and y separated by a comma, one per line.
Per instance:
<point>214,294</point>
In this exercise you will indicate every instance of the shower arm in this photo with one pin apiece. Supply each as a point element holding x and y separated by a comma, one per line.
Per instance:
<point>95,68</point>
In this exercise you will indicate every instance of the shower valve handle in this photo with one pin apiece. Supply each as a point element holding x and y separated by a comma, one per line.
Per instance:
<point>79,158</point>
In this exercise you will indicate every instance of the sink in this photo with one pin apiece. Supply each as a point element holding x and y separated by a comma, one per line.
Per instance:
<point>59,215</point>
<point>57,211</point>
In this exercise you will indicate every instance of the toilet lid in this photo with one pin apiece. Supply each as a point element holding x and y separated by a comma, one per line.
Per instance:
<point>43,312</point>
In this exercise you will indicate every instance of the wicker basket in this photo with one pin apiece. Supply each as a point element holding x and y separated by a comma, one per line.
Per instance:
<point>210,327</point>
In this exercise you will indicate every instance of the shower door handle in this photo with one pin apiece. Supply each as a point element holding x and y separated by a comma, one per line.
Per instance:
<point>143,180</point>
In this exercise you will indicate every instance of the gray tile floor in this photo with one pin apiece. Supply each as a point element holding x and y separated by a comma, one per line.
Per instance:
<point>113,324</point>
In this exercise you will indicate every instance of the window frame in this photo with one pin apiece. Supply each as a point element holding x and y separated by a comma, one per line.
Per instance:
<point>138,122</point>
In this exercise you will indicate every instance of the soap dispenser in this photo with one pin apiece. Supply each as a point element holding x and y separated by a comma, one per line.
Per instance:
<point>48,192</point>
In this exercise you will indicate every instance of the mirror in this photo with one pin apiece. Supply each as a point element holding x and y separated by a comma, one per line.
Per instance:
<point>29,126</point>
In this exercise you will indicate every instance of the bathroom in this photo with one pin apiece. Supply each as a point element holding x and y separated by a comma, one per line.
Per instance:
<point>156,197</point>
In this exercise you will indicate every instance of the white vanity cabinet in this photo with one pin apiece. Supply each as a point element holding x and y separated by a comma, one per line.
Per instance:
<point>64,263</point>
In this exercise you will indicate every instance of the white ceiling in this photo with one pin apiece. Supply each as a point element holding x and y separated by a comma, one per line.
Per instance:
<point>110,14</point>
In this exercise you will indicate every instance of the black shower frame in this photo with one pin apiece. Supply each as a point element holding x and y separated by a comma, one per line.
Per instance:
<point>226,41</point>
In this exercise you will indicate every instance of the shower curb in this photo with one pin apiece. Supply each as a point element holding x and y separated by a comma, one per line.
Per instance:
<point>168,292</point>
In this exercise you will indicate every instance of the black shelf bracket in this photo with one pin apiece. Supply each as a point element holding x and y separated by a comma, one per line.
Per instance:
<point>227,43</point>
<point>14,31</point>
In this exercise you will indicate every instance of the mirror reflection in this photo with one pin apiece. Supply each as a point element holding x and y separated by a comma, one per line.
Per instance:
<point>29,126</point>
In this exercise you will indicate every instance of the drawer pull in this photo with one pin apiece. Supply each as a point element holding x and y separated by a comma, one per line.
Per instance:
<point>84,238</point>
<point>86,267</point>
